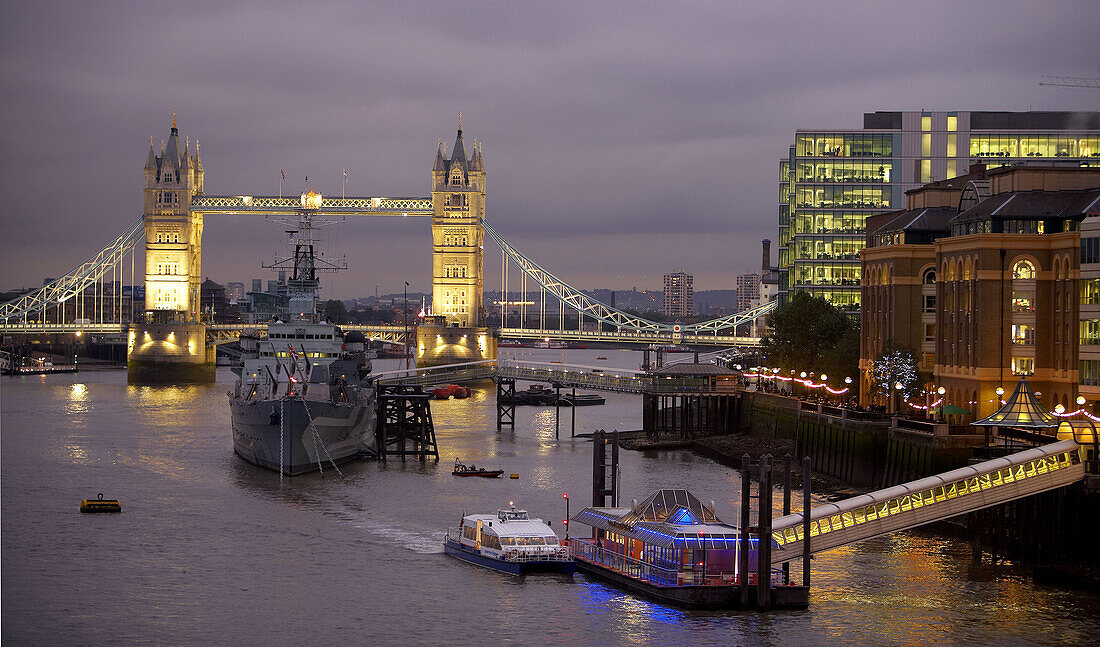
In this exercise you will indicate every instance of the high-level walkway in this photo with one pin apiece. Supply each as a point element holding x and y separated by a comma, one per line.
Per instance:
<point>930,499</point>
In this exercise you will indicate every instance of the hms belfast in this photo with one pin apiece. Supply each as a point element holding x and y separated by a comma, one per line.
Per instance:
<point>303,398</point>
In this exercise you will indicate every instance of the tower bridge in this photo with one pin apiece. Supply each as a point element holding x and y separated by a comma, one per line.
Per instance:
<point>173,343</point>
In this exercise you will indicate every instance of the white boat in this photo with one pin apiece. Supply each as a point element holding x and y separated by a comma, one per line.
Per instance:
<point>509,541</point>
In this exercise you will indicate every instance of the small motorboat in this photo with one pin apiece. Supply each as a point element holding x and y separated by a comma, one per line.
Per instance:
<point>473,470</point>
<point>581,400</point>
<point>510,542</point>
<point>536,394</point>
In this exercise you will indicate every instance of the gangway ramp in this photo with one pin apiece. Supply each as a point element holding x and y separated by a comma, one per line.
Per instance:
<point>930,499</point>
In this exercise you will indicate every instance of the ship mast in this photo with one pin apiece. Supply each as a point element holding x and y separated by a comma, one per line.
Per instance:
<point>303,285</point>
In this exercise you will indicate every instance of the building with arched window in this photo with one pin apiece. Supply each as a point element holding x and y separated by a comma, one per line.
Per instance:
<point>981,278</point>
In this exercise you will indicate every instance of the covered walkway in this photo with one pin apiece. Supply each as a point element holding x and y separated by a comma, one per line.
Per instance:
<point>930,499</point>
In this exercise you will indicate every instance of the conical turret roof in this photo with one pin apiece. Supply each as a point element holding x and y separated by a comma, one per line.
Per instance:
<point>1022,409</point>
<point>151,159</point>
<point>440,163</point>
<point>171,156</point>
<point>458,154</point>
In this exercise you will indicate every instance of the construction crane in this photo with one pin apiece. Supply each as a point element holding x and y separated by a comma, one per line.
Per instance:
<point>1070,81</point>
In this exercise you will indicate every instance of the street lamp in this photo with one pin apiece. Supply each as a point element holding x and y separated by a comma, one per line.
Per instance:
<point>1000,392</point>
<point>897,407</point>
<point>1080,400</point>
<point>941,391</point>
<point>566,521</point>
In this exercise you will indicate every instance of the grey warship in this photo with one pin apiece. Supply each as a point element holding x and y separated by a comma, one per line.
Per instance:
<point>304,399</point>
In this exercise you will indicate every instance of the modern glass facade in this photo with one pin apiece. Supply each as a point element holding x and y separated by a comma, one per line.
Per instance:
<point>831,181</point>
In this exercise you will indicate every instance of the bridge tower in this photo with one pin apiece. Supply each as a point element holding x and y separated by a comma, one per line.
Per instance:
<point>456,332</point>
<point>171,345</point>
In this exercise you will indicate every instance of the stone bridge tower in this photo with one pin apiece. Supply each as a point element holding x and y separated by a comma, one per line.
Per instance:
<point>456,332</point>
<point>458,205</point>
<point>173,236</point>
<point>170,346</point>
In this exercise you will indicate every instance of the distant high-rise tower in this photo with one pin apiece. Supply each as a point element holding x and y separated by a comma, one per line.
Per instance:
<point>679,294</point>
<point>458,202</point>
<point>173,236</point>
<point>748,291</point>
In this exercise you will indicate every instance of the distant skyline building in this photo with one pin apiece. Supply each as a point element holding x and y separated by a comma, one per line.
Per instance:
<point>679,294</point>
<point>235,290</point>
<point>831,181</point>
<point>748,290</point>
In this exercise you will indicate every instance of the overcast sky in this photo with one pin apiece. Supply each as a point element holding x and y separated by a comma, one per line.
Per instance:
<point>622,140</point>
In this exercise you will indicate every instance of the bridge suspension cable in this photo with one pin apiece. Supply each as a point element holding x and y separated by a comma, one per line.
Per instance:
<point>74,282</point>
<point>586,305</point>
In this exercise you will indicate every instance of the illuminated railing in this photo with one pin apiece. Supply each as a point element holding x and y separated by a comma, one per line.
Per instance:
<point>930,499</point>
<point>622,380</point>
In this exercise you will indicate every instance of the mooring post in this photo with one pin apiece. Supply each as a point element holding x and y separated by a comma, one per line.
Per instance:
<point>506,402</point>
<point>573,415</point>
<point>557,408</point>
<point>806,522</point>
<point>786,507</point>
<point>743,556</point>
<point>764,541</point>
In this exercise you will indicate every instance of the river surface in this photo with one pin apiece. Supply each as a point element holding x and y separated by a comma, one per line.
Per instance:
<point>210,550</point>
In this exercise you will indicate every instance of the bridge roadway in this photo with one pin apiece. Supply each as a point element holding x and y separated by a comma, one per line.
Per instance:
<point>929,499</point>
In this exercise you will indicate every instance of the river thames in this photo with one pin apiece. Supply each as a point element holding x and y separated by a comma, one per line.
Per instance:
<point>211,550</point>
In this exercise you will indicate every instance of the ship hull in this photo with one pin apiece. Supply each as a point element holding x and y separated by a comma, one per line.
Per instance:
<point>277,435</point>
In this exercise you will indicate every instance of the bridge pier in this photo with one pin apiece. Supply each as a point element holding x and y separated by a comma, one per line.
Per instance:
<point>439,345</point>
<point>169,353</point>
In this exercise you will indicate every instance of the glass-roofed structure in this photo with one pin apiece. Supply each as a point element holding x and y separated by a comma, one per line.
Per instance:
<point>674,548</point>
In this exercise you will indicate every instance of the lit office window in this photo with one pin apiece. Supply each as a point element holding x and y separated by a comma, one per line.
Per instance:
<point>926,123</point>
<point>926,171</point>
<point>952,124</point>
<point>952,145</point>
<point>926,145</point>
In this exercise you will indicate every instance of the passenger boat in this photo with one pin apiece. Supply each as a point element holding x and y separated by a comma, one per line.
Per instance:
<point>473,470</point>
<point>674,549</point>
<point>510,542</point>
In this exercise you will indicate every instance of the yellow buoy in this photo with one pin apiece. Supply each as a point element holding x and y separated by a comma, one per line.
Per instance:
<point>100,505</point>
<point>513,476</point>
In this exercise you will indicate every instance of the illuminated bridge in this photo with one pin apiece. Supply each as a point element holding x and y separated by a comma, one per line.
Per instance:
<point>95,296</point>
<point>929,499</point>
<point>85,299</point>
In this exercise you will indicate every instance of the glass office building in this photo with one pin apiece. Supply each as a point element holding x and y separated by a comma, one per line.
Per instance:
<point>832,180</point>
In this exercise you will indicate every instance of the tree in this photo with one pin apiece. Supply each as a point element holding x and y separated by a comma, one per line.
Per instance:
<point>895,365</point>
<point>336,312</point>
<point>805,334</point>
